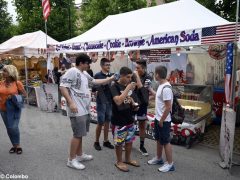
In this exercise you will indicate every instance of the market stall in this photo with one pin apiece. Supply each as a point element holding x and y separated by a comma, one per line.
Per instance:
<point>176,34</point>
<point>28,53</point>
<point>181,27</point>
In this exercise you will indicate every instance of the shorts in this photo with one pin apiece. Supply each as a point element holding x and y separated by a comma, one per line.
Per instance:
<point>104,112</point>
<point>123,134</point>
<point>80,125</point>
<point>142,113</point>
<point>162,134</point>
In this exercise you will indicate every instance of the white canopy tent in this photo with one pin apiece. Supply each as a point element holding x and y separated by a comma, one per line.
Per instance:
<point>29,44</point>
<point>139,29</point>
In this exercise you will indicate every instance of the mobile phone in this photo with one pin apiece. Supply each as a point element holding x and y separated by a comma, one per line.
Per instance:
<point>135,104</point>
<point>116,76</point>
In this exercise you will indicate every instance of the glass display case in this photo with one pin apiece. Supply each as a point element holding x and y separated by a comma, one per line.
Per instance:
<point>196,100</point>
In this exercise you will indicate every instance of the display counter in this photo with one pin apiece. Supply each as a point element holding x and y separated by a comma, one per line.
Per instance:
<point>196,100</point>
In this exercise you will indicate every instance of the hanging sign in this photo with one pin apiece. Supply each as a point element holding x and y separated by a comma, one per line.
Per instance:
<point>161,40</point>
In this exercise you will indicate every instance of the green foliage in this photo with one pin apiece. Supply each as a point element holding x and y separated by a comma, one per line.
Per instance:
<point>153,3</point>
<point>227,9</point>
<point>5,22</point>
<point>94,11</point>
<point>60,24</point>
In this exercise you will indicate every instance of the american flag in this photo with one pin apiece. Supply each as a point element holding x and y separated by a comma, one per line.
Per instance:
<point>46,9</point>
<point>219,34</point>
<point>228,72</point>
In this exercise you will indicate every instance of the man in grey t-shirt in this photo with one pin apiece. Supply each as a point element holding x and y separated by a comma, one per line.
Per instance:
<point>75,88</point>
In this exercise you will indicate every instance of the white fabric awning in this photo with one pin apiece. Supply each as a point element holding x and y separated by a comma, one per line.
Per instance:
<point>29,44</point>
<point>161,21</point>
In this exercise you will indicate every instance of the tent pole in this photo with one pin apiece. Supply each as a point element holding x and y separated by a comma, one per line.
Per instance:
<point>236,57</point>
<point>26,75</point>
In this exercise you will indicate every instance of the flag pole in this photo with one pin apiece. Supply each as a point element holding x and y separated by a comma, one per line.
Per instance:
<point>46,32</point>
<point>234,79</point>
<point>46,50</point>
<point>236,57</point>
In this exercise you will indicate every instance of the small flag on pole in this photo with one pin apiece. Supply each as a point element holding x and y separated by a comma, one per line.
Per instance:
<point>46,9</point>
<point>228,72</point>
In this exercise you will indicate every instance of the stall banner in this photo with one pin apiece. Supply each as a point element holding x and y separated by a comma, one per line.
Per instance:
<point>49,97</point>
<point>161,40</point>
<point>227,136</point>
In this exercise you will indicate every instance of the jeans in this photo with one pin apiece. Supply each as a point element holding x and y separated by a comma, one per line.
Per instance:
<point>12,128</point>
<point>104,112</point>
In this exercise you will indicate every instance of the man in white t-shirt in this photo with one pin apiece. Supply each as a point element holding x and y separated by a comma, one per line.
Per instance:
<point>163,107</point>
<point>75,88</point>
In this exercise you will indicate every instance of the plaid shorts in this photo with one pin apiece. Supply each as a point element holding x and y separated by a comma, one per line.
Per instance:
<point>123,134</point>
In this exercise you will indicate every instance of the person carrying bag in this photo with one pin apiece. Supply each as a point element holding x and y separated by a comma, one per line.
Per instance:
<point>11,103</point>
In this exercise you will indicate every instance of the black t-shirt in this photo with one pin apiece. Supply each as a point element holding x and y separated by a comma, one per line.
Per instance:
<point>143,93</point>
<point>122,115</point>
<point>104,94</point>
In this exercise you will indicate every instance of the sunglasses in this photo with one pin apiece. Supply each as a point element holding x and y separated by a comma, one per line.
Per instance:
<point>107,64</point>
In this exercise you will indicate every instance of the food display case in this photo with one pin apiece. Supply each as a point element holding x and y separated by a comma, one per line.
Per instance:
<point>196,100</point>
<point>194,113</point>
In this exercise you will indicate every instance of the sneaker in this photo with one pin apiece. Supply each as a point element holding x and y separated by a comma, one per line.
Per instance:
<point>143,151</point>
<point>75,164</point>
<point>155,160</point>
<point>97,146</point>
<point>167,167</point>
<point>84,157</point>
<point>108,145</point>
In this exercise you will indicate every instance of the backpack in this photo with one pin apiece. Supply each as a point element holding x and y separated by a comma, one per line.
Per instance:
<point>177,113</point>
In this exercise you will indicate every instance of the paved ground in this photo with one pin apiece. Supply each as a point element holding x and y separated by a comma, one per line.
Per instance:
<point>45,141</point>
<point>212,137</point>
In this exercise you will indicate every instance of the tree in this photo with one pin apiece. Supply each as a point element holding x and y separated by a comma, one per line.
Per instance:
<point>224,8</point>
<point>153,3</point>
<point>60,24</point>
<point>227,9</point>
<point>5,22</point>
<point>94,11</point>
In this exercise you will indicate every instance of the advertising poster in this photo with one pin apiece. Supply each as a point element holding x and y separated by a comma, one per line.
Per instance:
<point>175,63</point>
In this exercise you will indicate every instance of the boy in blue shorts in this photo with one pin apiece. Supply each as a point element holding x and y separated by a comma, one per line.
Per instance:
<point>163,107</point>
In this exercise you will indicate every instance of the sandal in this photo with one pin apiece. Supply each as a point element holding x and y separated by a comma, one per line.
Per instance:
<point>12,150</point>
<point>122,167</point>
<point>19,150</point>
<point>133,163</point>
